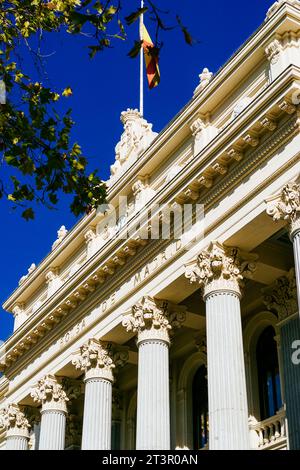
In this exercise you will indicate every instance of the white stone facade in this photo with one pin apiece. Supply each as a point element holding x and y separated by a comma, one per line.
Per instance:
<point>163,338</point>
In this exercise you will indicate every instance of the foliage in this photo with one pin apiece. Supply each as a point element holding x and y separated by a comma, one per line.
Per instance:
<point>35,142</point>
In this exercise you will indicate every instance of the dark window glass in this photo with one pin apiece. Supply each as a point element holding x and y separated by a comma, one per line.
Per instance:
<point>268,374</point>
<point>200,408</point>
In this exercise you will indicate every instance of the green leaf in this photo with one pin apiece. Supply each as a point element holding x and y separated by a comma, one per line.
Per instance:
<point>135,15</point>
<point>28,214</point>
<point>134,52</point>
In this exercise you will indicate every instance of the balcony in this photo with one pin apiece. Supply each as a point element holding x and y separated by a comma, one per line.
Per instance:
<point>270,434</point>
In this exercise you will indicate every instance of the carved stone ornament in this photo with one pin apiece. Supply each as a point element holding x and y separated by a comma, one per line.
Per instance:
<point>286,206</point>
<point>136,138</point>
<point>221,268</point>
<point>272,10</point>
<point>95,359</point>
<point>281,296</point>
<point>205,78</point>
<point>30,270</point>
<point>273,51</point>
<point>61,233</point>
<point>50,394</point>
<point>153,319</point>
<point>14,421</point>
<point>197,127</point>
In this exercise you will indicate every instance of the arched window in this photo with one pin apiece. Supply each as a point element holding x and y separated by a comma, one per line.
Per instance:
<point>200,408</point>
<point>268,374</point>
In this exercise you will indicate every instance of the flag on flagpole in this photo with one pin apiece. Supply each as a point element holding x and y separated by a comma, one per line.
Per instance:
<point>151,58</point>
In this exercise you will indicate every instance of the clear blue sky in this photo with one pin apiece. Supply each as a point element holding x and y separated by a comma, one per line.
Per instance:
<point>107,85</point>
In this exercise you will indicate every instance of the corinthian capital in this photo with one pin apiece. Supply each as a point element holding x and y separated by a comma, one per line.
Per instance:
<point>153,319</point>
<point>50,394</point>
<point>221,268</point>
<point>286,206</point>
<point>282,296</point>
<point>95,358</point>
<point>13,420</point>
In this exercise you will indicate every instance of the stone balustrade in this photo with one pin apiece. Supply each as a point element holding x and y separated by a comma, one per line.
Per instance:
<point>269,433</point>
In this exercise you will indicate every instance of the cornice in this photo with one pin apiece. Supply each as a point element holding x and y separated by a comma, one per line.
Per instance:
<point>98,268</point>
<point>178,127</point>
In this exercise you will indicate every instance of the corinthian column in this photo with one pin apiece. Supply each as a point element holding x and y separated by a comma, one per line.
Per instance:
<point>14,421</point>
<point>50,394</point>
<point>152,320</point>
<point>286,206</point>
<point>219,271</point>
<point>96,360</point>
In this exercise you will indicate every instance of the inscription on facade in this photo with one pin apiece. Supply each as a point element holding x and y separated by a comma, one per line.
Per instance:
<point>72,333</point>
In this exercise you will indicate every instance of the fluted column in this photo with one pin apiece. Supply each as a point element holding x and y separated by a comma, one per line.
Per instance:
<point>50,394</point>
<point>96,360</point>
<point>286,206</point>
<point>17,427</point>
<point>281,297</point>
<point>152,320</point>
<point>219,272</point>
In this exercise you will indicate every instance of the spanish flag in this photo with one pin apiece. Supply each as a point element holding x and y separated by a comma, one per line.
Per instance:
<point>151,58</point>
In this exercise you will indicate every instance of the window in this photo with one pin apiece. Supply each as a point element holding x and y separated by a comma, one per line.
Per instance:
<point>268,374</point>
<point>200,408</point>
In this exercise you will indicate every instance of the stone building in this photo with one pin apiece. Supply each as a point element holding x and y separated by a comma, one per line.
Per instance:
<point>124,340</point>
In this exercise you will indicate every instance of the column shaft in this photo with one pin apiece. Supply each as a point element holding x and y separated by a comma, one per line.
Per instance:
<point>296,247</point>
<point>17,443</point>
<point>53,428</point>
<point>96,432</point>
<point>153,408</point>
<point>228,410</point>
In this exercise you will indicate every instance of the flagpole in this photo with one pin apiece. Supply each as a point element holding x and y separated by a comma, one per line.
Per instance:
<point>141,64</point>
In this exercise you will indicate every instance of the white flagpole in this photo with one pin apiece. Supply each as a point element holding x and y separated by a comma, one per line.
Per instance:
<point>141,64</point>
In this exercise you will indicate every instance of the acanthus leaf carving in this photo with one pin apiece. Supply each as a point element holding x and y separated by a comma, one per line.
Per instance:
<point>221,268</point>
<point>12,418</point>
<point>282,296</point>
<point>286,206</point>
<point>153,318</point>
<point>50,393</point>
<point>95,358</point>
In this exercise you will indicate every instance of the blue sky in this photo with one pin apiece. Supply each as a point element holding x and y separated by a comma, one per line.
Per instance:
<point>109,84</point>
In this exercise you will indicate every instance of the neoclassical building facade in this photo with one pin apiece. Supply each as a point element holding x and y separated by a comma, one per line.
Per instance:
<point>124,340</point>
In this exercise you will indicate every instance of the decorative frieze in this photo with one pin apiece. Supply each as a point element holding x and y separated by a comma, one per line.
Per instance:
<point>281,297</point>
<point>269,124</point>
<point>136,138</point>
<point>286,206</point>
<point>50,394</point>
<point>221,268</point>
